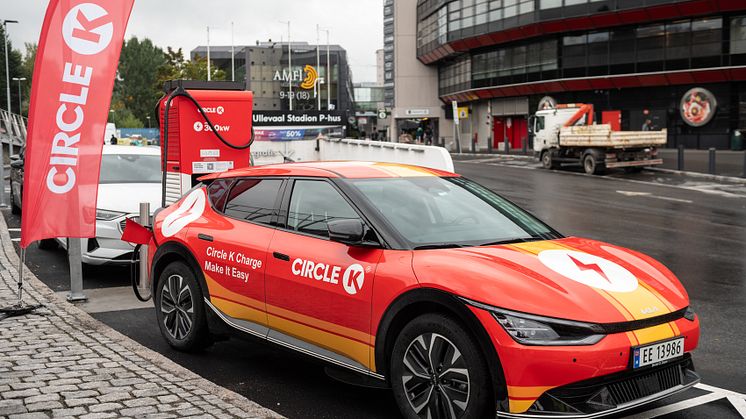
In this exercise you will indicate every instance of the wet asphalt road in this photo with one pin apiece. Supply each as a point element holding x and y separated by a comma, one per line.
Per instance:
<point>701,237</point>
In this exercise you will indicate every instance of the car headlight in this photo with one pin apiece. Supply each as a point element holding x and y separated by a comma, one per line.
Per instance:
<point>105,215</point>
<point>529,329</point>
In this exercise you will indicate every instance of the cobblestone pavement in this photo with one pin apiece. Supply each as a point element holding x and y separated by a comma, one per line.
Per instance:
<point>60,362</point>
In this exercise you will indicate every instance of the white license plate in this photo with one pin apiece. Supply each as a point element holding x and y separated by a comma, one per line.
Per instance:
<point>658,352</point>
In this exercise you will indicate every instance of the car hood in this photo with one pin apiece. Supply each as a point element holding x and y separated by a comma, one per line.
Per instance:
<point>126,197</point>
<point>571,278</point>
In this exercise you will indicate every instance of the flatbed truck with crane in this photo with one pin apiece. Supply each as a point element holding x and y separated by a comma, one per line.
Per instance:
<point>566,135</point>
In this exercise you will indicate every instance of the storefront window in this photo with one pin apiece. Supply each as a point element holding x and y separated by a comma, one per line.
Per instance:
<point>738,35</point>
<point>550,4</point>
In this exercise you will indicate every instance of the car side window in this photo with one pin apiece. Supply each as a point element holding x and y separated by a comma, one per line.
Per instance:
<point>218,193</point>
<point>253,200</point>
<point>313,204</point>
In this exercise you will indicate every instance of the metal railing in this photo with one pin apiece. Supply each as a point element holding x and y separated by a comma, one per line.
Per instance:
<point>12,129</point>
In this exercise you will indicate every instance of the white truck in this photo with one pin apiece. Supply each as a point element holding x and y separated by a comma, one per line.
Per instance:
<point>566,135</point>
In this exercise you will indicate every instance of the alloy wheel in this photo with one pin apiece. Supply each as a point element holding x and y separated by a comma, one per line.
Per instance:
<point>177,307</point>
<point>435,377</point>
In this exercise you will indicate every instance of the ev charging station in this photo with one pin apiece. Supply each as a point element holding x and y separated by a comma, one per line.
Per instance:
<point>206,127</point>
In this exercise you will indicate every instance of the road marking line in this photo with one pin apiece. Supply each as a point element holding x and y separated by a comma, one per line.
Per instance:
<point>15,240</point>
<point>725,392</point>
<point>671,408</point>
<point>650,195</point>
<point>663,185</point>
<point>739,404</point>
<point>14,229</point>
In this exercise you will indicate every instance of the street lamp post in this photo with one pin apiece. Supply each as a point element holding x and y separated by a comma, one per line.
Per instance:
<point>7,86</point>
<point>7,71</point>
<point>290,67</point>
<point>233,57</point>
<point>208,53</point>
<point>20,108</point>
<point>148,117</point>
<point>328,74</point>
<point>20,99</point>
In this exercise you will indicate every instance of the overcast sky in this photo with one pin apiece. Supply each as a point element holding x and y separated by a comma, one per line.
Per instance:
<point>357,25</point>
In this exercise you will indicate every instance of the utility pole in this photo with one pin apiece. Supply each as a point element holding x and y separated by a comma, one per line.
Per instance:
<point>208,53</point>
<point>233,57</point>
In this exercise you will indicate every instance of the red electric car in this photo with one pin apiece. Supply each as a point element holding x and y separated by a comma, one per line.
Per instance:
<point>461,302</point>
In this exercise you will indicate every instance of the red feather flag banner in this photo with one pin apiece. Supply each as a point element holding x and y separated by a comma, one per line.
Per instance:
<point>74,75</point>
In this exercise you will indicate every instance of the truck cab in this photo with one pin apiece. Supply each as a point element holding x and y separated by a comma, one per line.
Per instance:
<point>546,125</point>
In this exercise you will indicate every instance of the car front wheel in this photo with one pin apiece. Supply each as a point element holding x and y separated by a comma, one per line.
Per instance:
<point>438,371</point>
<point>180,310</point>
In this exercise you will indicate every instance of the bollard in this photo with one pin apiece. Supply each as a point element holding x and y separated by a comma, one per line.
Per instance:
<point>681,157</point>
<point>711,167</point>
<point>144,283</point>
<point>743,174</point>
<point>507,146</point>
<point>525,146</point>
<point>75,257</point>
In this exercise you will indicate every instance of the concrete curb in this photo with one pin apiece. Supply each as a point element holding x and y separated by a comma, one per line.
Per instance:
<point>707,176</point>
<point>30,280</point>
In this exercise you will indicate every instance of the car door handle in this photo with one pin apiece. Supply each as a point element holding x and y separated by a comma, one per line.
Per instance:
<point>281,256</point>
<point>204,237</point>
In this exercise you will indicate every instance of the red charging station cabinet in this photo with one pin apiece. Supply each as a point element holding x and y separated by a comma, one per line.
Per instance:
<point>193,149</point>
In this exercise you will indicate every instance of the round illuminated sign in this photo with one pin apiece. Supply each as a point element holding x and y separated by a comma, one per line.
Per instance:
<point>698,106</point>
<point>547,102</point>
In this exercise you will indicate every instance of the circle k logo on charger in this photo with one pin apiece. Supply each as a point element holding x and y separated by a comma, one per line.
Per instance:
<point>590,270</point>
<point>191,208</point>
<point>86,30</point>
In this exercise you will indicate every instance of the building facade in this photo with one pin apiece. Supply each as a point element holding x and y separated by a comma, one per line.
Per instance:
<point>680,64</point>
<point>264,69</point>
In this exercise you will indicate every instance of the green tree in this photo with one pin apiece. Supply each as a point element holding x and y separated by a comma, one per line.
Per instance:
<point>176,67</point>
<point>137,72</point>
<point>29,58</point>
<point>15,59</point>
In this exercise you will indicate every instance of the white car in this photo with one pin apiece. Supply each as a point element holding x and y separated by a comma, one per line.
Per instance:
<point>129,176</point>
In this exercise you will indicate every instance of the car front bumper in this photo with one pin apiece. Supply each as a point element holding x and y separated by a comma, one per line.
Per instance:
<point>613,394</point>
<point>107,247</point>
<point>539,378</point>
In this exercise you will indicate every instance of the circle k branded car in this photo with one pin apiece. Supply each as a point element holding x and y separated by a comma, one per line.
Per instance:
<point>462,303</point>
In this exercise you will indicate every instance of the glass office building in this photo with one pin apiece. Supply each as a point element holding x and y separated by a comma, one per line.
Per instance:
<point>637,58</point>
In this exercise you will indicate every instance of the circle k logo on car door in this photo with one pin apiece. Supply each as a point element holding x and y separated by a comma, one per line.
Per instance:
<point>590,270</point>
<point>190,209</point>
<point>353,279</point>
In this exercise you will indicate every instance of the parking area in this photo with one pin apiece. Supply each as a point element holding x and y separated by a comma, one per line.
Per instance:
<point>694,226</point>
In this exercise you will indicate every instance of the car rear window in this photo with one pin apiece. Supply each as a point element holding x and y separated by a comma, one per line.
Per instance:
<point>253,200</point>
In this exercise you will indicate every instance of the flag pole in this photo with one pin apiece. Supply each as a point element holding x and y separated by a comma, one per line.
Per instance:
<point>19,309</point>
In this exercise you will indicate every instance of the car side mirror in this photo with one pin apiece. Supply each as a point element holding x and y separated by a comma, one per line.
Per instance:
<point>349,232</point>
<point>17,164</point>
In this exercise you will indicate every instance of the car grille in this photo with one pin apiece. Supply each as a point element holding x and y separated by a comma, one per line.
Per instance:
<point>612,391</point>
<point>646,385</point>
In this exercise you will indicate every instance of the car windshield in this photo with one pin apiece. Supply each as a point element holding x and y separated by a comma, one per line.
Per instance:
<point>130,168</point>
<point>433,212</point>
